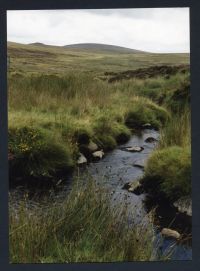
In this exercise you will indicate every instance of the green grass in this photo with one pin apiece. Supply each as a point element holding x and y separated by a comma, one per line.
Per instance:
<point>58,103</point>
<point>83,228</point>
<point>74,109</point>
<point>36,153</point>
<point>177,130</point>
<point>146,112</point>
<point>58,60</point>
<point>168,173</point>
<point>179,99</point>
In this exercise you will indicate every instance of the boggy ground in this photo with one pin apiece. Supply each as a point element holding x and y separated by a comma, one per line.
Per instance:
<point>150,72</point>
<point>55,115</point>
<point>49,128</point>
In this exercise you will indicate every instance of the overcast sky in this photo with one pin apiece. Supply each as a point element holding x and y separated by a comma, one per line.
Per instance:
<point>152,29</point>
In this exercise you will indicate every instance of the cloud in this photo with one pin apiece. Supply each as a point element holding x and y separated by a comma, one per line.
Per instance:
<point>152,29</point>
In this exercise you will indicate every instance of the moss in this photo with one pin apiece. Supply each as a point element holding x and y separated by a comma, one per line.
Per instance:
<point>168,172</point>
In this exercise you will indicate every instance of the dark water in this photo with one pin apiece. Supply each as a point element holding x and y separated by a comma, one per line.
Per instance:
<point>116,169</point>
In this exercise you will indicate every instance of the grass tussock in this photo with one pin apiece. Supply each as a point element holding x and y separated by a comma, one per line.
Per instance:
<point>70,111</point>
<point>168,172</point>
<point>35,152</point>
<point>53,116</point>
<point>177,131</point>
<point>83,228</point>
<point>146,112</point>
<point>73,109</point>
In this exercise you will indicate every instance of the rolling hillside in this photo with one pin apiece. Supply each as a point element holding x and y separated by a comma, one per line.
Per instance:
<point>106,48</point>
<point>96,58</point>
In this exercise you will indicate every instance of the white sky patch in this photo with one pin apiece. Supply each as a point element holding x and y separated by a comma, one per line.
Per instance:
<point>153,29</point>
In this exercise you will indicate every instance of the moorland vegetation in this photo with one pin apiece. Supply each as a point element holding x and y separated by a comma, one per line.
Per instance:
<point>60,101</point>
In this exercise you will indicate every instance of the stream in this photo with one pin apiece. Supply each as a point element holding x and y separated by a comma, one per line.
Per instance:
<point>115,170</point>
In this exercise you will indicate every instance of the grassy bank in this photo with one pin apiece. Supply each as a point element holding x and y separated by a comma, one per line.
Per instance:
<point>83,228</point>
<point>60,101</point>
<point>168,171</point>
<point>67,113</point>
<point>61,115</point>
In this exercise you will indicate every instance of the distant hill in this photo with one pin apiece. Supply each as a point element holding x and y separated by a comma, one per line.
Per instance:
<point>96,58</point>
<point>102,47</point>
<point>95,47</point>
<point>38,44</point>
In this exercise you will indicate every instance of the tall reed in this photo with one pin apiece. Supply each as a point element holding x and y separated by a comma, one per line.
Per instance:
<point>83,228</point>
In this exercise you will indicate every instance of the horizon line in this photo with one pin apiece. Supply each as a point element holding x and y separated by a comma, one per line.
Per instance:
<point>53,45</point>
